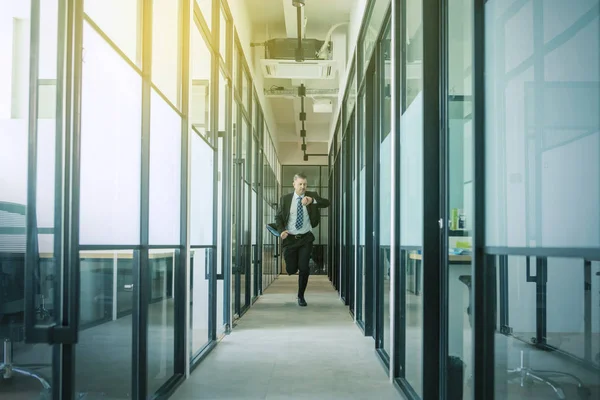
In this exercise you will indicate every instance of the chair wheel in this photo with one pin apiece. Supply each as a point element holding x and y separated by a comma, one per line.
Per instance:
<point>584,392</point>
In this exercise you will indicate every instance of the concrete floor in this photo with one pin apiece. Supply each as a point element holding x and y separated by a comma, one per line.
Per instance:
<point>279,350</point>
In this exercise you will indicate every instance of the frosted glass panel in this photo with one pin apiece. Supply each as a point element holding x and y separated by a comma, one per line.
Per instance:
<point>110,146</point>
<point>361,207</point>
<point>223,34</point>
<point>165,172</point>
<point>254,217</point>
<point>224,91</point>
<point>202,187</point>
<point>206,10</point>
<point>200,95</point>
<point>14,68</point>
<point>385,191</point>
<point>46,146</point>
<point>48,39</point>
<point>542,124</point>
<point>119,20</point>
<point>219,184</point>
<point>411,167</point>
<point>166,47</point>
<point>45,187</point>
<point>13,161</point>
<point>371,33</point>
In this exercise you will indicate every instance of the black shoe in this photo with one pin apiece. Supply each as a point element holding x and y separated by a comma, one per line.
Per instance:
<point>302,302</point>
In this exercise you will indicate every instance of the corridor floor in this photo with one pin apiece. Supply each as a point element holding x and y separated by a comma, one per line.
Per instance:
<point>279,350</point>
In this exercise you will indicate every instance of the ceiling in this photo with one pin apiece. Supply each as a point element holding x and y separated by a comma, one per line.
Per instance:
<point>268,19</point>
<point>320,14</point>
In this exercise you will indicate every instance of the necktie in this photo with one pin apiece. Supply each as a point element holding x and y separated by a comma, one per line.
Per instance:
<point>300,214</point>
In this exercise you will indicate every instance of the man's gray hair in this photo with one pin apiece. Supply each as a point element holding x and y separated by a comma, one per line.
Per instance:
<point>299,175</point>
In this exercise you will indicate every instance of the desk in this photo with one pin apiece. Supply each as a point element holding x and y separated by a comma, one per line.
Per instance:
<point>111,254</point>
<point>417,258</point>
<point>106,280</point>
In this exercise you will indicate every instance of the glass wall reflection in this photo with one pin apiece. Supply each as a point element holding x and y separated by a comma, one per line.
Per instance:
<point>542,194</point>
<point>17,359</point>
<point>166,54</point>
<point>199,306</point>
<point>104,349</point>
<point>161,317</point>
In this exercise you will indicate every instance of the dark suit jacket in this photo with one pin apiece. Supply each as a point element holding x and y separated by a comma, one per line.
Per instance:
<point>283,211</point>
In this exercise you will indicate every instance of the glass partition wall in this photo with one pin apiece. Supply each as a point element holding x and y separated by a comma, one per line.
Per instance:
<point>96,236</point>
<point>542,187</point>
<point>485,236</point>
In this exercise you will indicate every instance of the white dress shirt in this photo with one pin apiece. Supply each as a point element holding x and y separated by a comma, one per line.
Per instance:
<point>291,226</point>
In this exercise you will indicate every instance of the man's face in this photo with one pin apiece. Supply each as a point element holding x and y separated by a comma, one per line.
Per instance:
<point>300,186</point>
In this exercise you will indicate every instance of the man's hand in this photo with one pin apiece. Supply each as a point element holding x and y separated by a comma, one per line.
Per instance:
<point>307,200</point>
<point>284,234</point>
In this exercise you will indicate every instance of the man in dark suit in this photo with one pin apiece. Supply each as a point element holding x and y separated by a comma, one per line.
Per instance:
<point>297,214</point>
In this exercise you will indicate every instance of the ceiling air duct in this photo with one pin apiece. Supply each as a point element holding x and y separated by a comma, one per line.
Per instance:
<point>298,57</point>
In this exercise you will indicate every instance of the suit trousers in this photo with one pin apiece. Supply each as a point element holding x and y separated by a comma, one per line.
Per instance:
<point>296,252</point>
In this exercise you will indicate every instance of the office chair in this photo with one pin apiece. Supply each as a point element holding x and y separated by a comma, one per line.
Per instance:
<point>529,375</point>
<point>12,291</point>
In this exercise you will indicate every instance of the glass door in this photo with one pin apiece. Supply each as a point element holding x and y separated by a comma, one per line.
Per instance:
<point>382,159</point>
<point>202,241</point>
<point>458,184</point>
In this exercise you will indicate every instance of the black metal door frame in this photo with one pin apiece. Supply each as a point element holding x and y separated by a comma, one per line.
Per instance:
<point>371,127</point>
<point>62,334</point>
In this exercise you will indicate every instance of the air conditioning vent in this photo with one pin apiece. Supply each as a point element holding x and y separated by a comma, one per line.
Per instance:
<point>285,49</point>
<point>287,69</point>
